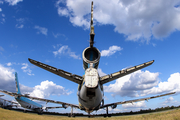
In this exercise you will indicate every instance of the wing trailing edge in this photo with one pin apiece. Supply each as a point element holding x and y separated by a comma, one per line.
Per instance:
<point>113,76</point>
<point>72,77</point>
<point>136,100</point>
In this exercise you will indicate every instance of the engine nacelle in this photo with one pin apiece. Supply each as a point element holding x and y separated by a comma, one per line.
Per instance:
<point>113,106</point>
<point>91,55</point>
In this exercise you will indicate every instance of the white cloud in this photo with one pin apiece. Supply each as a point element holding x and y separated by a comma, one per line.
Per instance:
<point>13,2</point>
<point>172,84</point>
<point>3,20</point>
<point>61,35</point>
<point>133,84</point>
<point>19,26</point>
<point>26,69</point>
<point>41,30</point>
<point>0,9</point>
<point>137,19</point>
<point>142,83</point>
<point>20,23</point>
<point>7,79</point>
<point>169,99</point>
<point>65,50</point>
<point>140,104</point>
<point>47,88</point>
<point>9,64</point>
<point>101,73</point>
<point>112,49</point>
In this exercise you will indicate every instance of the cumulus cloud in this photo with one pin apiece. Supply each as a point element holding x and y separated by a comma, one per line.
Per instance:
<point>13,2</point>
<point>142,83</point>
<point>41,30</point>
<point>26,69</point>
<point>7,78</point>
<point>137,19</point>
<point>9,64</point>
<point>140,104</point>
<point>47,88</point>
<point>65,50</point>
<point>112,50</point>
<point>133,84</point>
<point>172,84</point>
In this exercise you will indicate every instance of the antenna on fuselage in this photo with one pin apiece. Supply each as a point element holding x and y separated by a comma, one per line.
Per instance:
<point>91,27</point>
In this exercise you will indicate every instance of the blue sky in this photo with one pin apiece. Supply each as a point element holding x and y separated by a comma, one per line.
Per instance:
<point>127,33</point>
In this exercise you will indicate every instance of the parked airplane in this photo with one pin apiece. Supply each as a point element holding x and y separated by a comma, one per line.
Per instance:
<point>25,102</point>
<point>90,90</point>
<point>7,103</point>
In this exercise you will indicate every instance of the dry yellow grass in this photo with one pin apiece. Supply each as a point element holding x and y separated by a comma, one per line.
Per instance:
<point>14,115</point>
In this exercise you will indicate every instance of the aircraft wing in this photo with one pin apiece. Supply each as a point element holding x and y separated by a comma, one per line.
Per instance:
<point>72,77</point>
<point>9,101</point>
<point>113,76</point>
<point>113,105</point>
<point>9,93</point>
<point>64,105</point>
<point>1,95</point>
<point>54,107</point>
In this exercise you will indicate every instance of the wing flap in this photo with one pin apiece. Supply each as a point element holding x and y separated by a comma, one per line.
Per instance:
<point>136,100</point>
<point>113,76</point>
<point>72,77</point>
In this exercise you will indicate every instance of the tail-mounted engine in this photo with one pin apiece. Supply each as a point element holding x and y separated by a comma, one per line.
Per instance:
<point>91,56</point>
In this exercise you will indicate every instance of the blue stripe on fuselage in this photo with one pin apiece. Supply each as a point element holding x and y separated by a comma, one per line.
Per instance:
<point>28,101</point>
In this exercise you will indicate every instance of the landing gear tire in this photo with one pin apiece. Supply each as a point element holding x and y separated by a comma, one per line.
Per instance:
<point>73,115</point>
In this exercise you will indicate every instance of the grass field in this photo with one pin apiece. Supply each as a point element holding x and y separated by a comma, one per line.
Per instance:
<point>6,114</point>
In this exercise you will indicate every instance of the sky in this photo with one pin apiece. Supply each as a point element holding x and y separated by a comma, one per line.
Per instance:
<point>127,33</point>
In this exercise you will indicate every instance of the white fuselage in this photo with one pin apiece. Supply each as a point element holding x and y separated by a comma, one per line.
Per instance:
<point>29,104</point>
<point>90,94</point>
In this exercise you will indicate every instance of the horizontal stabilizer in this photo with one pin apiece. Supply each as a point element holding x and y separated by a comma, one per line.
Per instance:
<point>111,77</point>
<point>72,77</point>
<point>136,100</point>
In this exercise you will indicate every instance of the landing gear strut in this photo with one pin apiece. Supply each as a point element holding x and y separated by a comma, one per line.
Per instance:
<point>107,115</point>
<point>71,115</point>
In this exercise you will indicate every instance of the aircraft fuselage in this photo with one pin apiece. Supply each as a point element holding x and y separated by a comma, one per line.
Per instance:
<point>90,93</point>
<point>29,104</point>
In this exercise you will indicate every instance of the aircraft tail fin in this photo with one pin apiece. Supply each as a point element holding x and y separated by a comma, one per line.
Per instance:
<point>92,34</point>
<point>17,84</point>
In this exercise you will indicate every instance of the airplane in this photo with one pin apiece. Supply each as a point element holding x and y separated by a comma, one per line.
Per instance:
<point>90,86</point>
<point>7,103</point>
<point>24,101</point>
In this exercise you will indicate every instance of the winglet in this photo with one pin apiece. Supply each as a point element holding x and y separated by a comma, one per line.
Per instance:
<point>17,84</point>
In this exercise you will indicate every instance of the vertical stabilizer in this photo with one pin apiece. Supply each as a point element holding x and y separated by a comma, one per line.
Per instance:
<point>91,28</point>
<point>17,84</point>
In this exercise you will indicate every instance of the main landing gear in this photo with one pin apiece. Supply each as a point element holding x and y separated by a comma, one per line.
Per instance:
<point>71,114</point>
<point>107,115</point>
